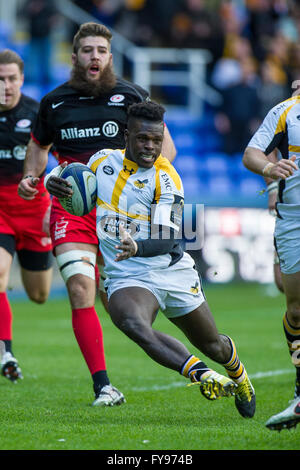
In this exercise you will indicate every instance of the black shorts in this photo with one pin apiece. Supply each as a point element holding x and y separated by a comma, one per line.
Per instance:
<point>28,259</point>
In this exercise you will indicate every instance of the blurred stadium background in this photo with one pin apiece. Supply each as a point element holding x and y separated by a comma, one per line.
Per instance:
<point>218,66</point>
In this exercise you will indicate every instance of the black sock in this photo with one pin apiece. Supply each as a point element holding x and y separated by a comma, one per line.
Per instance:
<point>8,345</point>
<point>297,386</point>
<point>100,379</point>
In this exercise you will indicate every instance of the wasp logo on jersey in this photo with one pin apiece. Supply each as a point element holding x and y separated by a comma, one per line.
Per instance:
<point>195,289</point>
<point>140,184</point>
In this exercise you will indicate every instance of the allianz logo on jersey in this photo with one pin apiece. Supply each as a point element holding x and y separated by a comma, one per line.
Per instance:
<point>109,129</point>
<point>18,152</point>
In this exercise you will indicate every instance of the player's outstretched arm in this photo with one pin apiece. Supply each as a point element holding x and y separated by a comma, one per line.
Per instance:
<point>34,165</point>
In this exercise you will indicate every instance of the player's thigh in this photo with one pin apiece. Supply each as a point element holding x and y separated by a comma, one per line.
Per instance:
<point>199,325</point>
<point>133,308</point>
<point>6,258</point>
<point>76,262</point>
<point>277,277</point>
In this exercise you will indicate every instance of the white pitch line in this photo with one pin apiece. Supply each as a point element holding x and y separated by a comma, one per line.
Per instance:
<point>271,373</point>
<point>258,375</point>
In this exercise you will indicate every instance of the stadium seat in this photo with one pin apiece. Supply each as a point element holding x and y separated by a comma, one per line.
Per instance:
<point>216,162</point>
<point>32,90</point>
<point>187,141</point>
<point>188,164</point>
<point>194,189</point>
<point>221,186</point>
<point>251,186</point>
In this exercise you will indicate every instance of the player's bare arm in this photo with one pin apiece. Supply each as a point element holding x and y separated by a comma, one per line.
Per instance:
<point>272,186</point>
<point>34,165</point>
<point>256,161</point>
<point>168,149</point>
<point>272,157</point>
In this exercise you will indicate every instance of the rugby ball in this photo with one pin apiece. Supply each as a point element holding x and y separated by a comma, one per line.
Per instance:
<point>84,186</point>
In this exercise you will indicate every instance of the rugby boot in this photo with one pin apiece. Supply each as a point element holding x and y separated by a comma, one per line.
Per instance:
<point>108,396</point>
<point>245,400</point>
<point>213,385</point>
<point>10,367</point>
<point>286,419</point>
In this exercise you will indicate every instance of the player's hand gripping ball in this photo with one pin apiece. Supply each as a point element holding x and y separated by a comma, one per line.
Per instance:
<point>84,186</point>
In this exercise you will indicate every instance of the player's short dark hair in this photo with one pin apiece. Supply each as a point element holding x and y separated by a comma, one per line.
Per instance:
<point>7,56</point>
<point>90,29</point>
<point>148,110</point>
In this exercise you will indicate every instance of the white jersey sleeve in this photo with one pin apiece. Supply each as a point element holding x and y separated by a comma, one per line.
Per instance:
<point>169,198</point>
<point>273,129</point>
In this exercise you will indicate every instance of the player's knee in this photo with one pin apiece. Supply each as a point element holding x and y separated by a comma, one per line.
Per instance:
<point>38,294</point>
<point>294,315</point>
<point>81,291</point>
<point>77,268</point>
<point>279,284</point>
<point>39,297</point>
<point>4,276</point>
<point>3,285</point>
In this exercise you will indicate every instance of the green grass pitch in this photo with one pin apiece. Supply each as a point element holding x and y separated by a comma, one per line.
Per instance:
<point>51,408</point>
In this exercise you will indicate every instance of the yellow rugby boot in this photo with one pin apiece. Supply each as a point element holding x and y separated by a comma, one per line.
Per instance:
<point>213,385</point>
<point>245,400</point>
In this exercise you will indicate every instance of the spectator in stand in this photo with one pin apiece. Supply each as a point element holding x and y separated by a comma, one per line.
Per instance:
<point>228,69</point>
<point>273,87</point>
<point>196,25</point>
<point>146,22</point>
<point>294,65</point>
<point>106,11</point>
<point>239,114</point>
<point>42,17</point>
<point>263,20</point>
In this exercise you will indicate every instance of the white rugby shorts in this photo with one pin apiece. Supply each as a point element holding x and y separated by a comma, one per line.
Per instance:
<point>287,238</point>
<point>177,288</point>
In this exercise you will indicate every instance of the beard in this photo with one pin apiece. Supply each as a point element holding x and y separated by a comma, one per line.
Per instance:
<point>104,84</point>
